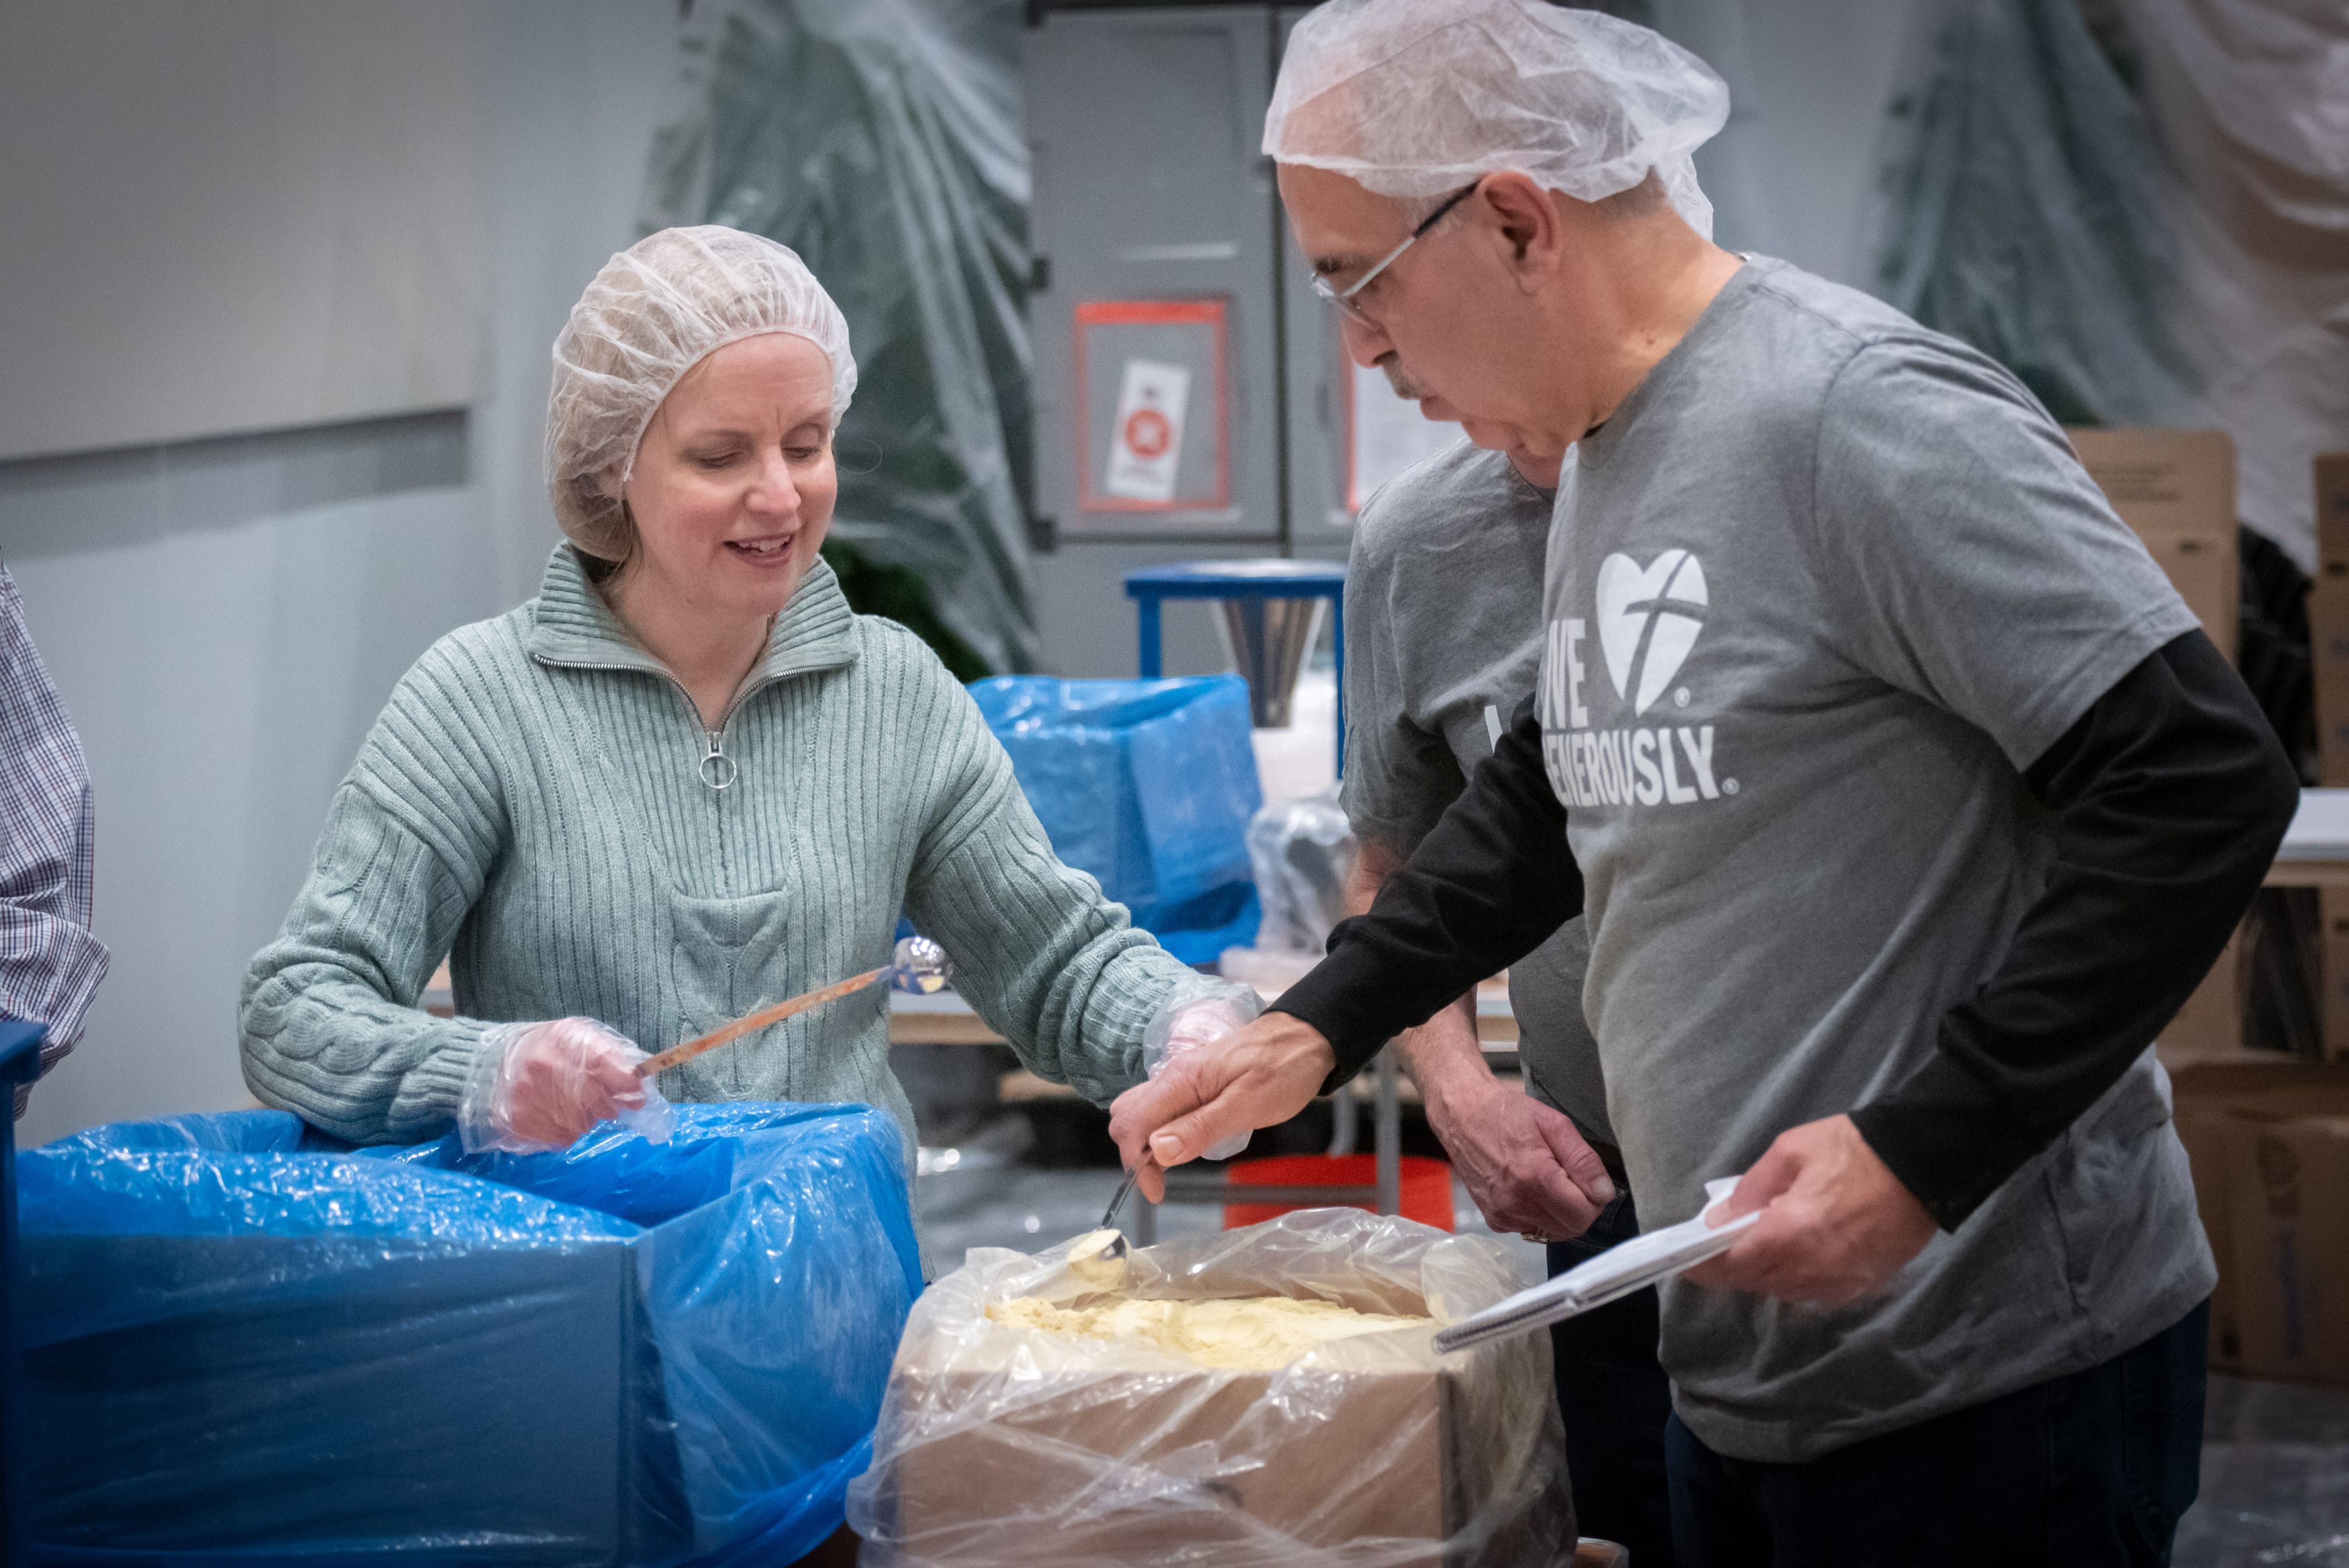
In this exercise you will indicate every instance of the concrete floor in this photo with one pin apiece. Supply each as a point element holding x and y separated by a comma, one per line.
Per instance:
<point>2275,1459</point>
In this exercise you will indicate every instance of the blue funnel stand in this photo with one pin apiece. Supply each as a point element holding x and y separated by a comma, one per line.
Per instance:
<point>1222,579</point>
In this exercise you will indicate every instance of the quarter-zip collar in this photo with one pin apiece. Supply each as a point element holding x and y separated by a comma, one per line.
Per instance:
<point>573,628</point>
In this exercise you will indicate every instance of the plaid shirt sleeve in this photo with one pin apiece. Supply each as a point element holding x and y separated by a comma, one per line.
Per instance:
<point>51,964</point>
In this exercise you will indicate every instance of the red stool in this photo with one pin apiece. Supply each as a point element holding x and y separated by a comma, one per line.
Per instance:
<point>1426,1185</point>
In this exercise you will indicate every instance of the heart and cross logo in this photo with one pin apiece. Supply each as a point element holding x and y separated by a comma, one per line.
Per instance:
<point>1648,618</point>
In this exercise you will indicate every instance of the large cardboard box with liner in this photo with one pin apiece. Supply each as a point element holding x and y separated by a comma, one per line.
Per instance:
<point>2270,1146</point>
<point>1013,1448</point>
<point>1418,1438</point>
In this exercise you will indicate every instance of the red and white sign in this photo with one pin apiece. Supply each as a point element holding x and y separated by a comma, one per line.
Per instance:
<point>1149,443</point>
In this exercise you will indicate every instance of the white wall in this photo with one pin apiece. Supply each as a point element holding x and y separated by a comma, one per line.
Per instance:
<point>225,618</point>
<point>1795,173</point>
<point>305,169</point>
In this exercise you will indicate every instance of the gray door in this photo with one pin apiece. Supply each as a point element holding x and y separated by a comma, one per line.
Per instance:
<point>1149,189</point>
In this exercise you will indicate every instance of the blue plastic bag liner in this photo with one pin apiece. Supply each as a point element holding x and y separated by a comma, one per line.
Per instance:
<point>244,1344</point>
<point>1148,785</point>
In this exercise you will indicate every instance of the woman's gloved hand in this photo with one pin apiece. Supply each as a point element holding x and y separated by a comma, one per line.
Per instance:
<point>1196,1013</point>
<point>541,1086</point>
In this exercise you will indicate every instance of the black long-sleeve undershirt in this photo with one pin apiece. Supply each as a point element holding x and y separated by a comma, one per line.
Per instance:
<point>2170,795</point>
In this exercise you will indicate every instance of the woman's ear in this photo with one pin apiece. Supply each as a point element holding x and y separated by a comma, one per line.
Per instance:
<point>609,484</point>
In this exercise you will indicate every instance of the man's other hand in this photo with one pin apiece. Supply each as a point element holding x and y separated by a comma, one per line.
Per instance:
<point>1260,1077</point>
<point>1528,1168</point>
<point>1836,1224</point>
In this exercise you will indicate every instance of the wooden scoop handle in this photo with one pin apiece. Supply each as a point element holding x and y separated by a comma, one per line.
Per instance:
<point>756,1021</point>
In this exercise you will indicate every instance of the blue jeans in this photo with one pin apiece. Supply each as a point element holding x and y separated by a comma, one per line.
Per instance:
<point>1615,1400</point>
<point>2082,1472</point>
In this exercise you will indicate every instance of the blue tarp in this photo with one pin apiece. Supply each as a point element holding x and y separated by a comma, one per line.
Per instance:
<point>1148,785</point>
<point>246,1345</point>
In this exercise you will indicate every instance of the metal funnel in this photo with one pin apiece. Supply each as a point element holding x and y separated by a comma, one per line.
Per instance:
<point>1266,640</point>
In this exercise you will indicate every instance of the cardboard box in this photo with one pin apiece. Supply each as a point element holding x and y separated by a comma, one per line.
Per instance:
<point>2270,1145</point>
<point>2333,516</point>
<point>2177,490</point>
<point>2333,971</point>
<point>2328,640</point>
<point>1227,1467</point>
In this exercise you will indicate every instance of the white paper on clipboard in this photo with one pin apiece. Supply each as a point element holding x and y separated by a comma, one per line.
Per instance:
<point>1614,1274</point>
<point>1147,444</point>
<point>1389,435</point>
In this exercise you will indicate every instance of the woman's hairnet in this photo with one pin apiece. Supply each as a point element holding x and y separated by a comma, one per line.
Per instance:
<point>656,310</point>
<point>1419,97</point>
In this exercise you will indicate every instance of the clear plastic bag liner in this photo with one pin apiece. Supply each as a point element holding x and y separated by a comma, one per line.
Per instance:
<point>1303,851</point>
<point>1146,784</point>
<point>880,139</point>
<point>1000,1445</point>
<point>243,1341</point>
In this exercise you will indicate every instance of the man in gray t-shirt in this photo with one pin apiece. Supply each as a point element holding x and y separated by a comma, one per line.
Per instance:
<point>1443,627</point>
<point>1444,624</point>
<point>1905,800</point>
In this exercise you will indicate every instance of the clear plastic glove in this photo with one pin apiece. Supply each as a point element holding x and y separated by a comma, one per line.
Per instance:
<point>1199,1012</point>
<point>535,1087</point>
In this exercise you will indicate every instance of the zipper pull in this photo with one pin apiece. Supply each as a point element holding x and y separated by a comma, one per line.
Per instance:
<point>718,770</point>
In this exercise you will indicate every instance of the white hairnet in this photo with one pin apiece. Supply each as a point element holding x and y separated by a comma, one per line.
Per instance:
<point>1419,97</point>
<point>656,310</point>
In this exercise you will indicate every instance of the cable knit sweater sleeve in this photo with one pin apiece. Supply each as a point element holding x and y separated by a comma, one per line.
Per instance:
<point>1052,965</point>
<point>331,1031</point>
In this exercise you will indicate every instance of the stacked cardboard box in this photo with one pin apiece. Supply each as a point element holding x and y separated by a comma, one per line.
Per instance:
<point>2270,1145</point>
<point>2177,490</point>
<point>2328,638</point>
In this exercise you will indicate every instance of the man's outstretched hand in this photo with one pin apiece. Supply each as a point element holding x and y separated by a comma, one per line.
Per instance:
<point>1260,1077</point>
<point>1836,1224</point>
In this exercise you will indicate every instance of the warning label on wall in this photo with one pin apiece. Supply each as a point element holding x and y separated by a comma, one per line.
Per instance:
<point>1148,442</point>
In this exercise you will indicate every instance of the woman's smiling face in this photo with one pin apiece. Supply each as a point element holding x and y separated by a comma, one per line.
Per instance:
<point>734,484</point>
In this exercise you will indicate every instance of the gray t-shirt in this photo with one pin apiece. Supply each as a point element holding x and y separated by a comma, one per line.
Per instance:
<point>1818,591</point>
<point>1444,620</point>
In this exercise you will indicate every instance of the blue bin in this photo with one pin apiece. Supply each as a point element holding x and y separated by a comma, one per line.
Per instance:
<point>20,1063</point>
<point>242,1345</point>
<point>1148,786</point>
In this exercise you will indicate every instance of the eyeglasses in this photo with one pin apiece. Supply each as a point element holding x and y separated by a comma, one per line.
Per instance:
<point>1343,299</point>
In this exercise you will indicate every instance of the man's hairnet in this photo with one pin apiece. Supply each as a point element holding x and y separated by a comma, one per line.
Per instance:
<point>1419,97</point>
<point>656,310</point>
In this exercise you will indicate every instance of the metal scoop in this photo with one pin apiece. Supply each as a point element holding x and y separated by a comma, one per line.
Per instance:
<point>1098,1257</point>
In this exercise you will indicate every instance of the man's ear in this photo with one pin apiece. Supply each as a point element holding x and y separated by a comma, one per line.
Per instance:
<point>1526,217</point>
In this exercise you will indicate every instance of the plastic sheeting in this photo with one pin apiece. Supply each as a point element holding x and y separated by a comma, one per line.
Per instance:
<point>1303,853</point>
<point>2032,217</point>
<point>880,139</point>
<point>1146,785</point>
<point>2149,223</point>
<point>999,1444</point>
<point>2248,100</point>
<point>240,1342</point>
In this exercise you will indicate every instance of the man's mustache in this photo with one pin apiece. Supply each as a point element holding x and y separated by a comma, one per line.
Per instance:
<point>1399,378</point>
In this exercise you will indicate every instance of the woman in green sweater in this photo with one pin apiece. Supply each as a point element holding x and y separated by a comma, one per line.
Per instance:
<point>684,780</point>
